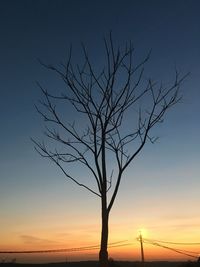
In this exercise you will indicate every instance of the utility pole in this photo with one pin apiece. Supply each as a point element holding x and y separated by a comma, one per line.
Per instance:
<point>142,249</point>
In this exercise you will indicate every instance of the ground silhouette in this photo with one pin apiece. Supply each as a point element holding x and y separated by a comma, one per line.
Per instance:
<point>112,263</point>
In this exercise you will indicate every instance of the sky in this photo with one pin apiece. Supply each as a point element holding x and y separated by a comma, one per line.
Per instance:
<point>39,208</point>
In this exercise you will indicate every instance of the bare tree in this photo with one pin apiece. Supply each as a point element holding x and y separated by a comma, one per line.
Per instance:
<point>104,98</point>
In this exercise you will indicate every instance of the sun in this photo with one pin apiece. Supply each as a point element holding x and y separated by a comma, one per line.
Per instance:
<point>143,232</point>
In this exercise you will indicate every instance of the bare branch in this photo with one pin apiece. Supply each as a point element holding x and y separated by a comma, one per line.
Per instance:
<point>104,97</point>
<point>41,147</point>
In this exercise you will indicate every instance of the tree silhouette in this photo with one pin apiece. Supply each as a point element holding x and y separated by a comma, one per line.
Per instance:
<point>104,98</point>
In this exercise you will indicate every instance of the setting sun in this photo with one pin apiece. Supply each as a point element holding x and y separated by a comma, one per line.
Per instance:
<point>143,232</point>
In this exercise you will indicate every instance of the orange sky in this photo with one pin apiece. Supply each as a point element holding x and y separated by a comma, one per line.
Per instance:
<point>86,233</point>
<point>49,222</point>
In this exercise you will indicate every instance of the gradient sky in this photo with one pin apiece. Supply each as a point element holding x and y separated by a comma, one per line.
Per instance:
<point>160,192</point>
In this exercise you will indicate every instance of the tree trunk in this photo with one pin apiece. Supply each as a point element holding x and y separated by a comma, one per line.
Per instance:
<point>103,254</point>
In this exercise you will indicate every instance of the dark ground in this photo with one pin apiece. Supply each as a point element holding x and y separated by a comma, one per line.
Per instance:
<point>112,264</point>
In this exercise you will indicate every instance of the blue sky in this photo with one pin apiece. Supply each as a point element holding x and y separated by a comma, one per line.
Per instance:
<point>164,180</point>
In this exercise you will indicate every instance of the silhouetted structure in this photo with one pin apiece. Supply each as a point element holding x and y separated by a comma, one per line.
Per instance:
<point>103,98</point>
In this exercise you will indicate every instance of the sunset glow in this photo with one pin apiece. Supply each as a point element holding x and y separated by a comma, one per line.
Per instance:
<point>123,241</point>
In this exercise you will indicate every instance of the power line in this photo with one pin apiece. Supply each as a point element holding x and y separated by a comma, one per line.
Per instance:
<point>110,245</point>
<point>172,243</point>
<point>113,245</point>
<point>192,252</point>
<point>183,252</point>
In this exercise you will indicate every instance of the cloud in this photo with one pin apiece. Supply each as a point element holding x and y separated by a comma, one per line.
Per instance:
<point>33,240</point>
